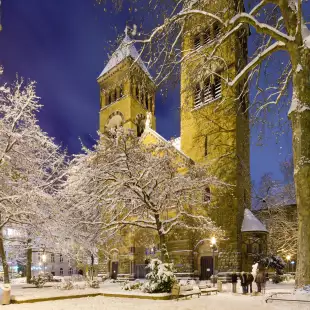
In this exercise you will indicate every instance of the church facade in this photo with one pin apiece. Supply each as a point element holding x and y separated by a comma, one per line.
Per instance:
<point>214,131</point>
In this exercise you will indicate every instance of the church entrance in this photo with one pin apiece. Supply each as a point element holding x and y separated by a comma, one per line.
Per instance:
<point>206,265</point>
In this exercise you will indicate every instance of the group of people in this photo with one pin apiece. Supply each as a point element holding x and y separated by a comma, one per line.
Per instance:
<point>247,279</point>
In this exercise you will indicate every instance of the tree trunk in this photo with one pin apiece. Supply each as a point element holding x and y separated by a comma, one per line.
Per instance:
<point>4,260</point>
<point>164,256</point>
<point>300,118</point>
<point>29,263</point>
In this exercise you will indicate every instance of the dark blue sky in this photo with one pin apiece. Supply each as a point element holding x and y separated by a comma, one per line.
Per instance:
<point>63,44</point>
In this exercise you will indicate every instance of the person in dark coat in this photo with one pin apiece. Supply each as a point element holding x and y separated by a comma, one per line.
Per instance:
<point>244,282</point>
<point>234,280</point>
<point>250,280</point>
<point>260,280</point>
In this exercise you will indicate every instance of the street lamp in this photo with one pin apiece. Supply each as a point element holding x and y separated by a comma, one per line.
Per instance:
<point>213,246</point>
<point>288,258</point>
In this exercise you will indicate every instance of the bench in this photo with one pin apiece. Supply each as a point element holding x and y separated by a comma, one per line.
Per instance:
<point>208,290</point>
<point>184,291</point>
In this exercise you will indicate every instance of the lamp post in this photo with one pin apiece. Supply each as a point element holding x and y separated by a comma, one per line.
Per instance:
<point>288,258</point>
<point>213,246</point>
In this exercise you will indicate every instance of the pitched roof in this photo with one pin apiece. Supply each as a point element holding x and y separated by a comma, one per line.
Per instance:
<point>126,49</point>
<point>162,139</point>
<point>252,223</point>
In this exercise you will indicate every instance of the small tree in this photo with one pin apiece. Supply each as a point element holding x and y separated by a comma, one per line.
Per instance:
<point>161,277</point>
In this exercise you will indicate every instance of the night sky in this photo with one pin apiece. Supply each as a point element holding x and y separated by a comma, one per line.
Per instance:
<point>63,45</point>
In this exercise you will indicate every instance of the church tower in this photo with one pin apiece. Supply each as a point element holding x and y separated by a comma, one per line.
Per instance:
<point>215,124</point>
<point>127,91</point>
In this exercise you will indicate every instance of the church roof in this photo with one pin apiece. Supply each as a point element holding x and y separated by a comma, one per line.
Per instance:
<point>126,49</point>
<point>252,223</point>
<point>162,139</point>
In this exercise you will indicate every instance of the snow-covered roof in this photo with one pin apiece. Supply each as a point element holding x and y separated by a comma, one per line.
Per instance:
<point>252,223</point>
<point>161,138</point>
<point>126,49</point>
<point>177,143</point>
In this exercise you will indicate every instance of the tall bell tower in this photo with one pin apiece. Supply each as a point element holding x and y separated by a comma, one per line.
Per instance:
<point>214,120</point>
<point>127,91</point>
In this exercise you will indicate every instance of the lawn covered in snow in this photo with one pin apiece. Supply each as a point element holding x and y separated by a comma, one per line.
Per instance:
<point>225,301</point>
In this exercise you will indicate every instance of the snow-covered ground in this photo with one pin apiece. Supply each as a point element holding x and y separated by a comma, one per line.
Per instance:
<point>223,301</point>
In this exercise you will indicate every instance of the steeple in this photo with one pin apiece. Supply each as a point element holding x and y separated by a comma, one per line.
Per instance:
<point>127,90</point>
<point>125,50</point>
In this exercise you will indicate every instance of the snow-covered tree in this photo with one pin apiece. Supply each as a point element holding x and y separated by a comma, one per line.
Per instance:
<point>125,183</point>
<point>32,166</point>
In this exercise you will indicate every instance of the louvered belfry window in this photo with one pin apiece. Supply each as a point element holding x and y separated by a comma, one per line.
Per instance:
<point>209,91</point>
<point>207,37</point>
<point>197,42</point>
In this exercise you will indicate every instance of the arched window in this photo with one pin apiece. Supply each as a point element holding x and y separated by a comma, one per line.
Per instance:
<point>207,36</point>
<point>217,87</point>
<point>70,271</point>
<point>216,30</point>
<point>147,101</point>
<point>140,123</point>
<point>197,42</point>
<point>121,91</point>
<point>61,271</point>
<point>198,95</point>
<point>137,92</point>
<point>61,258</point>
<point>52,258</point>
<point>207,194</point>
<point>206,145</point>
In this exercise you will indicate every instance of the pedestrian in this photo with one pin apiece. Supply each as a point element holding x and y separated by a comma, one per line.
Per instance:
<point>244,282</point>
<point>234,279</point>
<point>260,280</point>
<point>250,280</point>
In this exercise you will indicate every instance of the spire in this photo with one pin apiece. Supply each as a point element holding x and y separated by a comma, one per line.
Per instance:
<point>251,223</point>
<point>126,49</point>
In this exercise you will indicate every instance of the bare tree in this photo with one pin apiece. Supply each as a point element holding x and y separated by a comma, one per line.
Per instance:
<point>32,166</point>
<point>127,184</point>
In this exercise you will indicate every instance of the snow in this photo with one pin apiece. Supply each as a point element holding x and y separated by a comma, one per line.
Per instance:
<point>299,68</point>
<point>125,50</point>
<point>221,301</point>
<point>297,105</point>
<point>251,222</point>
<point>177,143</point>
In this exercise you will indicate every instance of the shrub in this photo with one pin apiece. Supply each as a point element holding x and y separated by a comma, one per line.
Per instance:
<point>276,278</point>
<point>93,283</point>
<point>66,285</point>
<point>38,281</point>
<point>129,286</point>
<point>161,277</point>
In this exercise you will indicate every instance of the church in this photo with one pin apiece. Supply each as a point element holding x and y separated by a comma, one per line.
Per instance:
<point>214,131</point>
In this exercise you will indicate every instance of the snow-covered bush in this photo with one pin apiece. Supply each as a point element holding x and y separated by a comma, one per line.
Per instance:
<point>129,286</point>
<point>93,283</point>
<point>272,261</point>
<point>161,277</point>
<point>38,281</point>
<point>66,285</point>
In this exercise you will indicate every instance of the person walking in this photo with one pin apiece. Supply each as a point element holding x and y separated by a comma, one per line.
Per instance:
<point>234,280</point>
<point>260,280</point>
<point>244,282</point>
<point>250,280</point>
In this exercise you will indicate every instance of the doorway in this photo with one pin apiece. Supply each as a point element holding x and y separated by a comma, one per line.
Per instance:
<point>114,270</point>
<point>206,266</point>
